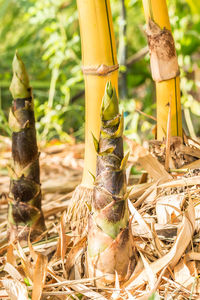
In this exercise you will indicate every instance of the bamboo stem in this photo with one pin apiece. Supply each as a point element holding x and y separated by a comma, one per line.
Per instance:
<point>123,51</point>
<point>99,62</point>
<point>164,71</point>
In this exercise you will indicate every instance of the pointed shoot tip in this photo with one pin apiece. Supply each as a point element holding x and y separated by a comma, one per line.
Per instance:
<point>17,64</point>
<point>20,82</point>
<point>109,89</point>
<point>110,107</point>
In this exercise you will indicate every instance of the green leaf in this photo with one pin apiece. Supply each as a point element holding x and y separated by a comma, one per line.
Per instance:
<point>26,280</point>
<point>120,129</point>
<point>124,162</point>
<point>154,296</point>
<point>96,143</point>
<point>94,177</point>
<point>13,122</point>
<point>107,151</point>
<point>110,106</point>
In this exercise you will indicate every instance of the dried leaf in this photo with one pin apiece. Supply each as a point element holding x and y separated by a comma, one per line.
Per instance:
<point>116,293</point>
<point>136,216</point>
<point>88,292</point>
<point>163,58</point>
<point>63,242</point>
<point>78,287</point>
<point>184,237</point>
<point>157,243</point>
<point>73,254</point>
<point>169,205</point>
<point>188,150</point>
<point>197,214</point>
<point>15,289</point>
<point>192,256</point>
<point>39,276</point>
<point>149,193</point>
<point>10,255</point>
<point>183,275</point>
<point>26,264</point>
<point>58,279</point>
<point>180,182</point>
<point>130,297</point>
<point>64,239</point>
<point>148,162</point>
<point>152,279</point>
<point>193,165</point>
<point>139,189</point>
<point>154,168</point>
<point>13,272</point>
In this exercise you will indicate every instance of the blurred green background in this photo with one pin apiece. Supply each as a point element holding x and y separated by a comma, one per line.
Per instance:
<point>46,34</point>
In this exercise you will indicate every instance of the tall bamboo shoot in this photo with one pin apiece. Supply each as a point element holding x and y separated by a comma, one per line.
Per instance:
<point>24,212</point>
<point>109,239</point>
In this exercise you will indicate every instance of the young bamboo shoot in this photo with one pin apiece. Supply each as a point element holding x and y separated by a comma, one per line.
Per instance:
<point>24,211</point>
<point>109,239</point>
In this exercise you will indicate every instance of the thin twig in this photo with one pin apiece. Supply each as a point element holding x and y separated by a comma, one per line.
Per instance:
<point>168,138</point>
<point>137,56</point>
<point>146,115</point>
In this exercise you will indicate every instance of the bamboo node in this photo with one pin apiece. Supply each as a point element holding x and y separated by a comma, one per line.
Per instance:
<point>101,70</point>
<point>163,58</point>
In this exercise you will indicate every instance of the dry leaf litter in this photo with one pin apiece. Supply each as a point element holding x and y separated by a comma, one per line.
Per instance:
<point>165,221</point>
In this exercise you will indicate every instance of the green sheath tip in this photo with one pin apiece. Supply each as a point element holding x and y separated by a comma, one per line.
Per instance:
<point>19,87</point>
<point>109,89</point>
<point>109,108</point>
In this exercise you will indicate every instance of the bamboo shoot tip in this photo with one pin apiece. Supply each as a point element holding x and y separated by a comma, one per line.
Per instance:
<point>109,89</point>
<point>20,82</point>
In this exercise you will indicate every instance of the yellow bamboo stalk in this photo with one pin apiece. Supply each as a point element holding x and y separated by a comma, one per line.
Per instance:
<point>167,91</point>
<point>99,62</point>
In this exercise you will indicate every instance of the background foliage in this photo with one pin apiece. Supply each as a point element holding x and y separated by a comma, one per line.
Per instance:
<point>46,34</point>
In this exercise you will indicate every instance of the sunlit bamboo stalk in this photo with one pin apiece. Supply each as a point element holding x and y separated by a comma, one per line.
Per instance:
<point>99,64</point>
<point>122,52</point>
<point>164,67</point>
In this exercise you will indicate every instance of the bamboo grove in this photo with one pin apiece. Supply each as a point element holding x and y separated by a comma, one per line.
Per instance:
<point>101,199</point>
